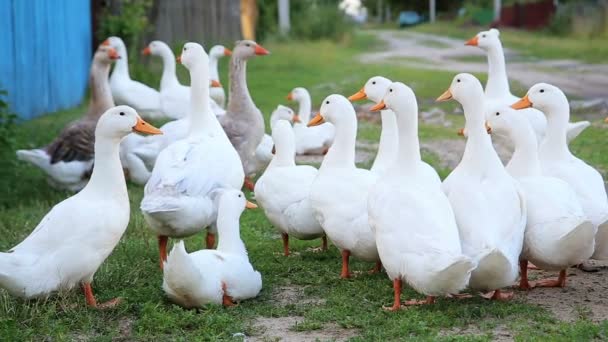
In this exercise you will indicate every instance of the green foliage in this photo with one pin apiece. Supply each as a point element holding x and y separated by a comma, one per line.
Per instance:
<point>128,19</point>
<point>7,123</point>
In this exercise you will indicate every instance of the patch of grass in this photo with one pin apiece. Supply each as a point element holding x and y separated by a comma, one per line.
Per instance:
<point>131,272</point>
<point>537,44</point>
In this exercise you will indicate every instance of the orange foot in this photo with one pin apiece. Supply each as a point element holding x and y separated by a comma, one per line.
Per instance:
<point>428,300</point>
<point>210,240</point>
<point>498,295</point>
<point>397,300</point>
<point>92,302</point>
<point>345,273</point>
<point>249,185</point>
<point>559,282</point>
<point>226,299</point>
<point>460,296</point>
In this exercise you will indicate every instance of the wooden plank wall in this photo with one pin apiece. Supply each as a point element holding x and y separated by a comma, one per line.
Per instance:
<point>46,53</point>
<point>208,22</point>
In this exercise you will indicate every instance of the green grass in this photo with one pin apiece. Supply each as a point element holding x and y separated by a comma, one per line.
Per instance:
<point>131,272</point>
<point>537,44</point>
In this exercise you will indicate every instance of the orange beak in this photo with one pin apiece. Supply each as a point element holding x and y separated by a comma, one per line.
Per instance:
<point>259,50</point>
<point>296,118</point>
<point>227,52</point>
<point>179,59</point>
<point>360,95</point>
<point>113,54</point>
<point>215,84</point>
<point>250,205</point>
<point>473,41</point>
<point>488,128</point>
<point>460,132</point>
<point>379,106</point>
<point>146,51</point>
<point>106,42</point>
<point>606,120</point>
<point>143,127</point>
<point>316,121</point>
<point>522,104</point>
<point>290,97</point>
<point>447,95</point>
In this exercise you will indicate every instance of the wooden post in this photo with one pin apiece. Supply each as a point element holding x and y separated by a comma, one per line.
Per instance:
<point>432,11</point>
<point>284,24</point>
<point>249,17</point>
<point>497,8</point>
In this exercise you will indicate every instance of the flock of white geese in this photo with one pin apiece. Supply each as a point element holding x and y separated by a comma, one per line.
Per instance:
<point>478,229</point>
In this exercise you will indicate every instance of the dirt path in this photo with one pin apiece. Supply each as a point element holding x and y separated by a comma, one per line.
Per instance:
<point>436,52</point>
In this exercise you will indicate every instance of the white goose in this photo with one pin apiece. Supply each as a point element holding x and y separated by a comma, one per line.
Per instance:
<point>374,89</point>
<point>177,199</point>
<point>309,140</point>
<point>283,191</point>
<point>217,90</point>
<point>78,234</point>
<point>126,91</point>
<point>557,161</point>
<point>497,88</point>
<point>558,234</point>
<point>339,192</point>
<point>414,225</point>
<point>214,276</point>
<point>489,207</point>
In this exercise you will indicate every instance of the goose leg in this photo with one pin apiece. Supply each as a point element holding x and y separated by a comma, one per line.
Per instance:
<point>210,240</point>
<point>523,281</point>
<point>162,249</point>
<point>92,302</point>
<point>397,301</point>
<point>345,272</point>
<point>377,268</point>
<point>285,244</point>
<point>498,295</point>
<point>249,184</point>
<point>428,300</point>
<point>324,243</point>
<point>226,299</point>
<point>559,282</point>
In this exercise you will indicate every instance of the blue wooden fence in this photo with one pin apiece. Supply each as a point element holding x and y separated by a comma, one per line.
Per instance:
<point>45,53</point>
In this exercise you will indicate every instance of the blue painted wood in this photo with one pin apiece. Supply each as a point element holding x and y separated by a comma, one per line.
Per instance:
<point>45,54</point>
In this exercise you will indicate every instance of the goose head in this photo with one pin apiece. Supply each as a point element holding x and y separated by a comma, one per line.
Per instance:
<point>485,39</point>
<point>333,109</point>
<point>374,89</point>
<point>118,122</point>
<point>116,43</point>
<point>298,94</point>
<point>233,202</point>
<point>193,55</point>
<point>465,88</point>
<point>505,121</point>
<point>400,98</point>
<point>156,48</point>
<point>105,55</point>
<point>283,113</point>
<point>245,49</point>
<point>219,51</point>
<point>544,97</point>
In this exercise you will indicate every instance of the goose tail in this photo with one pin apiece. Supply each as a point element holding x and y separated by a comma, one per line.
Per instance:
<point>36,157</point>
<point>181,278</point>
<point>457,274</point>
<point>576,128</point>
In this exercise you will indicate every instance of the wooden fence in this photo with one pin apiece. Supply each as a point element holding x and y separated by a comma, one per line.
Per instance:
<point>46,54</point>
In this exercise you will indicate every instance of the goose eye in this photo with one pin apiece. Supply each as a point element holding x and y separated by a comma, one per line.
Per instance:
<point>483,36</point>
<point>390,90</point>
<point>122,113</point>
<point>374,82</point>
<point>458,80</point>
<point>240,195</point>
<point>326,102</point>
<point>248,44</point>
<point>185,48</point>
<point>542,90</point>
<point>497,113</point>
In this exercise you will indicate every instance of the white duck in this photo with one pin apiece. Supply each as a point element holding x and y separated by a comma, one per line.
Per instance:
<point>309,140</point>
<point>374,89</point>
<point>263,154</point>
<point>497,88</point>
<point>283,191</point>
<point>126,91</point>
<point>557,161</point>
<point>414,225</point>
<point>339,192</point>
<point>489,207</point>
<point>217,90</point>
<point>68,159</point>
<point>78,234</point>
<point>214,276</point>
<point>177,199</point>
<point>558,234</point>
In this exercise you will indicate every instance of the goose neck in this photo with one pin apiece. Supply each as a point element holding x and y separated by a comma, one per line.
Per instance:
<point>108,176</point>
<point>409,146</point>
<point>229,235</point>
<point>121,67</point>
<point>342,151</point>
<point>284,156</point>
<point>101,94</point>
<point>201,117</point>
<point>168,78</point>
<point>478,152</point>
<point>239,99</point>
<point>388,137</point>
<point>524,161</point>
<point>555,143</point>
<point>213,68</point>
<point>304,108</point>
<point>498,83</point>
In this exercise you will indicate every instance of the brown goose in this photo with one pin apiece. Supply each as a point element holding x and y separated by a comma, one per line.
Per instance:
<point>243,121</point>
<point>68,160</point>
